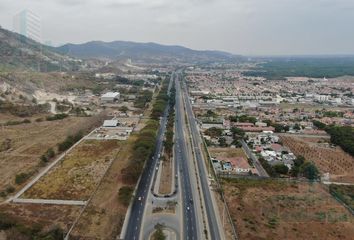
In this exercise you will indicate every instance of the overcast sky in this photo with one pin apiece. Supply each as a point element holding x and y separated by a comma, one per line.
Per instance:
<point>249,27</point>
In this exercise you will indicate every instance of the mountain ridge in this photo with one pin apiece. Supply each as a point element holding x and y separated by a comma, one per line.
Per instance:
<point>148,51</point>
<point>20,52</point>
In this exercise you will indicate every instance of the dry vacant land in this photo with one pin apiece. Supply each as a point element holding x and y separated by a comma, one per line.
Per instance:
<point>28,142</point>
<point>275,209</point>
<point>227,152</point>
<point>104,216</point>
<point>36,216</point>
<point>335,161</point>
<point>76,176</point>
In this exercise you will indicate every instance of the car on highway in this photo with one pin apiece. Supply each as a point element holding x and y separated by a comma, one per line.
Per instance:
<point>139,198</point>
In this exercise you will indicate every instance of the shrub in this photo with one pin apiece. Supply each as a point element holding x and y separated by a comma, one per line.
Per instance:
<point>44,158</point>
<point>10,189</point>
<point>309,170</point>
<point>69,141</point>
<point>125,195</point>
<point>281,169</point>
<point>59,116</point>
<point>21,178</point>
<point>50,153</point>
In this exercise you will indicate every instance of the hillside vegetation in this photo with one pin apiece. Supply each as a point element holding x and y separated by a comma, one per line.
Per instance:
<point>280,68</point>
<point>19,52</point>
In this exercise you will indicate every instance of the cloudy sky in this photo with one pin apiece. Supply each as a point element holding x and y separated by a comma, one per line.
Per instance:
<point>249,27</point>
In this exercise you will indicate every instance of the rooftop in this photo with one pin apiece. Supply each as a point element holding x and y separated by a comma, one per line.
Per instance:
<point>110,94</point>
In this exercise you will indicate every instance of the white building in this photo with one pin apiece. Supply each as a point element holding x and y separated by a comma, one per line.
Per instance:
<point>110,123</point>
<point>28,24</point>
<point>260,124</point>
<point>322,98</point>
<point>110,97</point>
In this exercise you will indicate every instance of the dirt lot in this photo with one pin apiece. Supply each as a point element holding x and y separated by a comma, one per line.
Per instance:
<point>166,176</point>
<point>77,175</point>
<point>29,142</point>
<point>274,209</point>
<point>35,215</point>
<point>335,161</point>
<point>227,152</point>
<point>105,214</point>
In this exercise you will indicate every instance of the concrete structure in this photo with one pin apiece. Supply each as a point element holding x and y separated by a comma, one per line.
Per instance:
<point>322,98</point>
<point>110,97</point>
<point>110,123</point>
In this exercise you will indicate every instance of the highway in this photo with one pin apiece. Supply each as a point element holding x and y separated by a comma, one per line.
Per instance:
<point>133,228</point>
<point>212,217</point>
<point>189,213</point>
<point>190,230</point>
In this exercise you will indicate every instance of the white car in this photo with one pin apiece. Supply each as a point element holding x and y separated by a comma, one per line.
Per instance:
<point>139,198</point>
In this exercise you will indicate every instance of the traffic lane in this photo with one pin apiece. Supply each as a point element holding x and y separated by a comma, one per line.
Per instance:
<point>137,210</point>
<point>188,211</point>
<point>213,226</point>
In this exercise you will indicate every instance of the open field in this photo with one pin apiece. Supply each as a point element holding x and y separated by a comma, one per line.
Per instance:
<point>35,216</point>
<point>274,209</point>
<point>28,142</point>
<point>104,216</point>
<point>227,152</point>
<point>50,82</point>
<point>76,176</point>
<point>335,161</point>
<point>345,193</point>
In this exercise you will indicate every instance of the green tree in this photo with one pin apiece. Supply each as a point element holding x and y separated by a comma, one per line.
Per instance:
<point>214,132</point>
<point>297,126</point>
<point>158,234</point>
<point>222,142</point>
<point>281,169</point>
<point>309,170</point>
<point>123,109</point>
<point>237,132</point>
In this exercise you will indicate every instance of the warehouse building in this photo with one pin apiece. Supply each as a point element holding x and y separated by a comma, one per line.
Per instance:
<point>110,97</point>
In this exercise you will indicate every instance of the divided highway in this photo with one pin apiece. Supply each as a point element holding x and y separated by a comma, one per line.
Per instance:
<point>189,212</point>
<point>132,231</point>
<point>191,174</point>
<point>212,217</point>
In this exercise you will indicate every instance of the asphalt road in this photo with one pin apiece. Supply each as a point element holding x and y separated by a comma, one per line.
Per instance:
<point>209,207</point>
<point>137,209</point>
<point>255,161</point>
<point>190,230</point>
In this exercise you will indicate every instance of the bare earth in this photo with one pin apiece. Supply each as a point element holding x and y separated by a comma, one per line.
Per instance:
<point>46,216</point>
<point>104,216</point>
<point>273,209</point>
<point>76,176</point>
<point>227,152</point>
<point>28,143</point>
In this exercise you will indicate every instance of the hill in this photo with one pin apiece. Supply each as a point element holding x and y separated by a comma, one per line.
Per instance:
<point>19,52</point>
<point>142,52</point>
